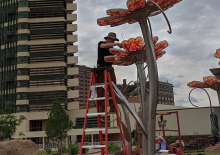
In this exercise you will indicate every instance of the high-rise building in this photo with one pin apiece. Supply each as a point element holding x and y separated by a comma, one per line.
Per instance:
<point>37,62</point>
<point>37,53</point>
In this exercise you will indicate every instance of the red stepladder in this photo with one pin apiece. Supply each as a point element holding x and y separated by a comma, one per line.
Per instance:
<point>101,101</point>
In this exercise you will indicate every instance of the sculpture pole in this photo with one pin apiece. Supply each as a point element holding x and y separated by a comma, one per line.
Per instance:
<point>150,104</point>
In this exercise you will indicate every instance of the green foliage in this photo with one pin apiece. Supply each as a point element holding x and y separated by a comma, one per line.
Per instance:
<point>8,124</point>
<point>74,149</point>
<point>58,124</point>
<point>113,148</point>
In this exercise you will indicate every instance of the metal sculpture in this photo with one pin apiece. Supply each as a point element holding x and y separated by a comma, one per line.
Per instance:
<point>140,11</point>
<point>212,83</point>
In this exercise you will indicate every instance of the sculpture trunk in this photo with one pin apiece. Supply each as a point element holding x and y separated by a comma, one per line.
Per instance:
<point>150,104</point>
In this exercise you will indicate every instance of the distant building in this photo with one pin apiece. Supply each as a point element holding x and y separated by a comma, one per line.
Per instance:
<point>166,94</point>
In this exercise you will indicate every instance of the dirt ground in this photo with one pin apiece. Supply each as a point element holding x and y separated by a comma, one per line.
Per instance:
<point>18,147</point>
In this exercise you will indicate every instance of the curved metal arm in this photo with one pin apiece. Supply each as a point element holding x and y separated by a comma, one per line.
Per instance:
<point>150,27</point>
<point>190,100</point>
<point>165,16</point>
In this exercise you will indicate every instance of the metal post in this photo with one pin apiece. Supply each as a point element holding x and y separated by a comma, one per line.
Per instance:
<point>149,112</point>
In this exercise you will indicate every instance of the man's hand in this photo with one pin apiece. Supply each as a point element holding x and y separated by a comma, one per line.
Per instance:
<point>110,45</point>
<point>118,44</point>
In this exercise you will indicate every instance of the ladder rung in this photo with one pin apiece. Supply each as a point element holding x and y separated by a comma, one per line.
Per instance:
<point>96,114</point>
<point>98,85</point>
<point>93,146</point>
<point>99,98</point>
<point>94,129</point>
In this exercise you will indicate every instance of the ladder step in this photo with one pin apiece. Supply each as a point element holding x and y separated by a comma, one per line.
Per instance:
<point>99,99</point>
<point>94,129</point>
<point>102,85</point>
<point>96,114</point>
<point>93,146</point>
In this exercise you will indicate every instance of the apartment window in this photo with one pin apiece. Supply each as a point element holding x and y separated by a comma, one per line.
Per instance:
<point>22,83</point>
<point>36,125</point>
<point>23,14</point>
<point>23,37</point>
<point>23,71</point>
<point>23,3</point>
<point>22,108</point>
<point>21,60</point>
<point>23,26</point>
<point>22,96</point>
<point>23,48</point>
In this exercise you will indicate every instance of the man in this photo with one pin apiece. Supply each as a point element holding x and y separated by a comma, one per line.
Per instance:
<point>103,50</point>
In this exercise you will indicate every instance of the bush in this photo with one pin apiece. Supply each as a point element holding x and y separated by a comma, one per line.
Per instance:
<point>74,149</point>
<point>113,148</point>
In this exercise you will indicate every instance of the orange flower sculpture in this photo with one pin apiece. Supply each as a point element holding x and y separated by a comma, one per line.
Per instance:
<point>217,53</point>
<point>135,4</point>
<point>197,84</point>
<point>134,47</point>
<point>210,80</point>
<point>121,16</point>
<point>133,44</point>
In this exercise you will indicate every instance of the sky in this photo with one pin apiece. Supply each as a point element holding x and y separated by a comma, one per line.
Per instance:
<point>195,37</point>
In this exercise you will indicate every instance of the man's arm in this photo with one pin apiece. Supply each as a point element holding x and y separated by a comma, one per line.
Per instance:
<point>109,45</point>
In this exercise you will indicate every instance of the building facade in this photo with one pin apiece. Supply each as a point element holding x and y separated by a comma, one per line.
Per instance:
<point>37,53</point>
<point>37,61</point>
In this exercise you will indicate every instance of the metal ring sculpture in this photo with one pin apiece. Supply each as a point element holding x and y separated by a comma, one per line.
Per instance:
<point>191,102</point>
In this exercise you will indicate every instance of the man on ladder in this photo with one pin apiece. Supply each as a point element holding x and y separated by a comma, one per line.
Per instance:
<point>102,94</point>
<point>111,40</point>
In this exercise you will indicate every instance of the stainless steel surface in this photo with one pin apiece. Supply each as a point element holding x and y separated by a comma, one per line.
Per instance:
<point>149,108</point>
<point>130,109</point>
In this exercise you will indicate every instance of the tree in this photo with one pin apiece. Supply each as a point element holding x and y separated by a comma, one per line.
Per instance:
<point>8,124</point>
<point>58,124</point>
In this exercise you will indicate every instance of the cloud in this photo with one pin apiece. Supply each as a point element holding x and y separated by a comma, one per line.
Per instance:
<point>192,45</point>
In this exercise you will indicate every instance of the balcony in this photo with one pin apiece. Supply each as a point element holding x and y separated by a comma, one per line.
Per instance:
<point>71,17</point>
<point>71,27</point>
<point>72,38</point>
<point>73,82</point>
<point>73,94</point>
<point>22,102</point>
<point>72,60</point>
<point>71,7</point>
<point>73,71</point>
<point>72,49</point>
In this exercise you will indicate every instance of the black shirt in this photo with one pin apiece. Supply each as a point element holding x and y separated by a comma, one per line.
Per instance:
<point>102,52</point>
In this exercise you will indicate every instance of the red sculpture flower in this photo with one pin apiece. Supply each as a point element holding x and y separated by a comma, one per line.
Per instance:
<point>210,80</point>
<point>148,8</point>
<point>134,51</point>
<point>197,84</point>
<point>133,44</point>
<point>217,53</point>
<point>135,4</point>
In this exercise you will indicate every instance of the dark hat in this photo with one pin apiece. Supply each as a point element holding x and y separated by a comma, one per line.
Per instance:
<point>112,35</point>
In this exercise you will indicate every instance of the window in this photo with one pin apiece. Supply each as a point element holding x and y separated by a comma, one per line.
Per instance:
<point>23,37</point>
<point>36,125</point>
<point>23,3</point>
<point>21,60</point>
<point>23,48</point>
<point>22,96</point>
<point>23,26</point>
<point>23,15</point>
